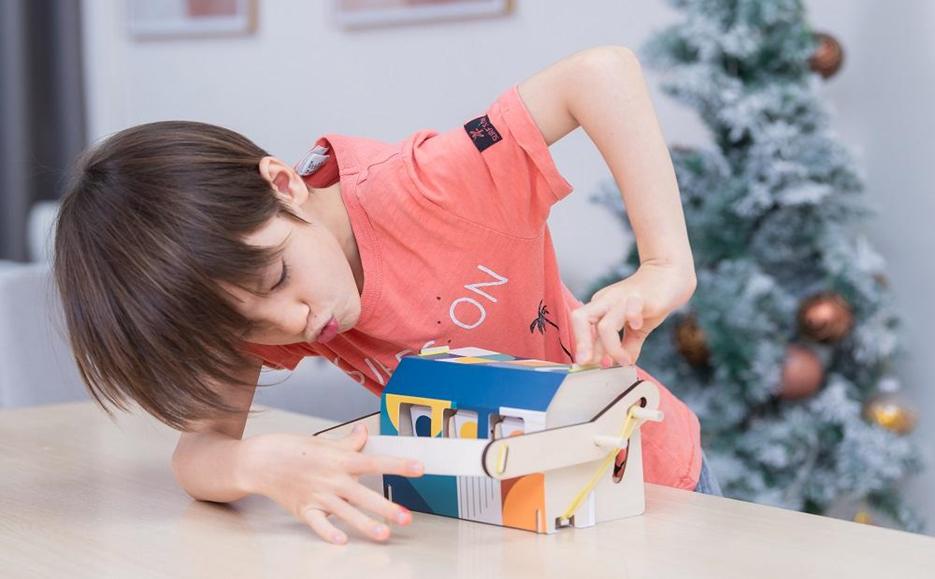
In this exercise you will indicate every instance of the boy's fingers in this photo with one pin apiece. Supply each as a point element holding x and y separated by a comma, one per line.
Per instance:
<point>365,498</point>
<point>598,352</point>
<point>366,525</point>
<point>318,521</point>
<point>634,312</point>
<point>356,439</point>
<point>633,343</point>
<point>608,329</point>
<point>584,348</point>
<point>582,321</point>
<point>378,464</point>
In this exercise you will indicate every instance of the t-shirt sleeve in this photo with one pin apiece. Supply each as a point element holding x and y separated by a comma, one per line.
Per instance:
<point>284,357</point>
<point>495,169</point>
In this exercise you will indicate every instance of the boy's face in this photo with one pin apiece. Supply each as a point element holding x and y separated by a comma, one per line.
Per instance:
<point>317,284</point>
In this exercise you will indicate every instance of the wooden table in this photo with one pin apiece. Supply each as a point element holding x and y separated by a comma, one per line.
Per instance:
<point>81,496</point>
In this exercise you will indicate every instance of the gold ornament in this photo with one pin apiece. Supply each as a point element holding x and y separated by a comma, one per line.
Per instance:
<point>691,342</point>
<point>889,410</point>
<point>828,56</point>
<point>863,517</point>
<point>802,373</point>
<point>825,318</point>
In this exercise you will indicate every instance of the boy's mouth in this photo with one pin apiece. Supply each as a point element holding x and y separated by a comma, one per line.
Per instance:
<point>327,332</point>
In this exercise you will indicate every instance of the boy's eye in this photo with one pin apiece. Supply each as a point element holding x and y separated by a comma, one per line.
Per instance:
<point>282,277</point>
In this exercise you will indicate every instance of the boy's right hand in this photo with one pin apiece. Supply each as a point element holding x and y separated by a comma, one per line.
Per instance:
<point>313,477</point>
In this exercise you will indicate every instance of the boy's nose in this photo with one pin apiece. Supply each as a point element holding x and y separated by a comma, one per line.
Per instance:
<point>306,319</point>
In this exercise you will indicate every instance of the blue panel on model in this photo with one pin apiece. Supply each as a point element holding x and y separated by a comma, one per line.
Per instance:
<point>427,494</point>
<point>475,386</point>
<point>386,427</point>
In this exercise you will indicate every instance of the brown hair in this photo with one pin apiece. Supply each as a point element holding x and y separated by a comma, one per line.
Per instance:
<point>153,219</point>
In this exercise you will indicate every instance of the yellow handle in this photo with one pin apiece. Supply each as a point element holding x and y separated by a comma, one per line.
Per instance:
<point>627,430</point>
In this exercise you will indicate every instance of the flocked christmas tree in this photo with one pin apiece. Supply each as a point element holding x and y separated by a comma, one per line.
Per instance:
<point>786,350</point>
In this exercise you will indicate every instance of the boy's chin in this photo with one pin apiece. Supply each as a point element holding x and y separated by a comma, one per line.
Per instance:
<point>349,321</point>
<point>347,324</point>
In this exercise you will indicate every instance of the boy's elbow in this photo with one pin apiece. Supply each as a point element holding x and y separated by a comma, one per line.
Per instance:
<point>177,464</point>
<point>181,464</point>
<point>691,283</point>
<point>610,59</point>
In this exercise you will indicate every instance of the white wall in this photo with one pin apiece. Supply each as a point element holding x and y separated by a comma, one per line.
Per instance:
<point>301,76</point>
<point>883,100</point>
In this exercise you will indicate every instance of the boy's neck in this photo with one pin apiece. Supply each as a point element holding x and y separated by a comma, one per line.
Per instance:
<point>328,206</point>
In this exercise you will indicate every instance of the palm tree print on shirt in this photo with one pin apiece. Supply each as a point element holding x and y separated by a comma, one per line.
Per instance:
<point>540,322</point>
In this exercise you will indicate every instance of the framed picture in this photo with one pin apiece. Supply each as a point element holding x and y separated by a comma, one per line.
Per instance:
<point>371,13</point>
<point>190,18</point>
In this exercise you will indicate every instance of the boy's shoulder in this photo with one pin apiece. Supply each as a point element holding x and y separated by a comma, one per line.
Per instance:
<point>494,170</point>
<point>334,154</point>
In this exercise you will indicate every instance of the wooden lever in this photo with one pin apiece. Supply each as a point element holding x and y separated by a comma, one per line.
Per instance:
<point>519,455</point>
<point>564,446</point>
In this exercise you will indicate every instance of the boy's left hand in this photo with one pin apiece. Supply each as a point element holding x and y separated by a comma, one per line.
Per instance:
<point>637,305</point>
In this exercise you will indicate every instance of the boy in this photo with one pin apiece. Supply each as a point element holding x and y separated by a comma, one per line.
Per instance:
<point>187,258</point>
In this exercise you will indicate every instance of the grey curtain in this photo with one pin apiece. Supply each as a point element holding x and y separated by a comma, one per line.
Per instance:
<point>42,121</point>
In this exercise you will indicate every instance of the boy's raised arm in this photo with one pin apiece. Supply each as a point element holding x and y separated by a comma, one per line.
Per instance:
<point>603,91</point>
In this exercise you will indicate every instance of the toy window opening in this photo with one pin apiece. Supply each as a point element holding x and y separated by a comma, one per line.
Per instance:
<point>447,422</point>
<point>405,419</point>
<point>504,426</point>
<point>460,423</point>
<point>620,465</point>
<point>415,420</point>
<point>620,461</point>
<point>493,422</point>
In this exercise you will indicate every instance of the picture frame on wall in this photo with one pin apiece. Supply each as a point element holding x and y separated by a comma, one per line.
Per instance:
<point>352,14</point>
<point>155,19</point>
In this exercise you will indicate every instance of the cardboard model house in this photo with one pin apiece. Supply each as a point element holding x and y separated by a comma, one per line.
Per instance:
<point>523,443</point>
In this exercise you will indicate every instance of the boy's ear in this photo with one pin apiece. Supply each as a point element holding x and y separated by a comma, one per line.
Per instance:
<point>283,180</point>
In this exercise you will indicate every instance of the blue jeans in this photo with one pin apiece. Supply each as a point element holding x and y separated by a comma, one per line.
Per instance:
<point>707,484</point>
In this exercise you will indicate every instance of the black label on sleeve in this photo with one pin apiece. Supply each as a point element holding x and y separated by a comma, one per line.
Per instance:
<point>482,132</point>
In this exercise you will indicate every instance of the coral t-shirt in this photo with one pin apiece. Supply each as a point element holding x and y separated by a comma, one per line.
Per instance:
<point>455,248</point>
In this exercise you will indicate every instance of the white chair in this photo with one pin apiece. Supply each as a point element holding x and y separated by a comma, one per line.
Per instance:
<point>36,366</point>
